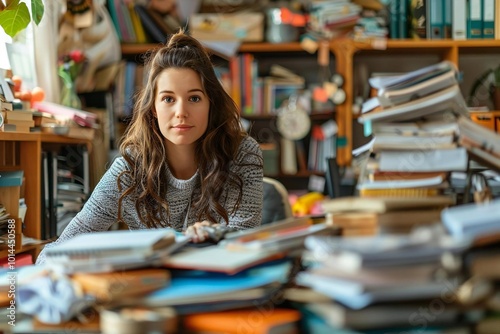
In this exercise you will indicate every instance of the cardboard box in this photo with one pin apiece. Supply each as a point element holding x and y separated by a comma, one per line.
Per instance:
<point>244,26</point>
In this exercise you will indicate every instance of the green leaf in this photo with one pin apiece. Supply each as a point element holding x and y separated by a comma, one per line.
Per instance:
<point>37,10</point>
<point>14,18</point>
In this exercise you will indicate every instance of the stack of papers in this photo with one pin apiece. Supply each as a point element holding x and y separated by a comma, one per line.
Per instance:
<point>113,250</point>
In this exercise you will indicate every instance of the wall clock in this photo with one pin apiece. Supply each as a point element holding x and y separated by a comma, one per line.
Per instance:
<point>293,121</point>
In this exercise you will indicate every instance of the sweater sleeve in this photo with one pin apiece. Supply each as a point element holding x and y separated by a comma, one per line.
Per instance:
<point>249,213</point>
<point>99,212</point>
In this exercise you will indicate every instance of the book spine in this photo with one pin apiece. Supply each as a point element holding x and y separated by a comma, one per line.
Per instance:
<point>475,20</point>
<point>436,17</point>
<point>447,13</point>
<point>418,17</point>
<point>405,192</point>
<point>459,19</point>
<point>489,19</point>
<point>497,19</point>
<point>403,19</point>
<point>394,19</point>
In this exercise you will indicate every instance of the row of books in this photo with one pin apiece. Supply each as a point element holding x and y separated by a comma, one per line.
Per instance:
<point>136,21</point>
<point>65,187</point>
<point>256,95</point>
<point>438,19</point>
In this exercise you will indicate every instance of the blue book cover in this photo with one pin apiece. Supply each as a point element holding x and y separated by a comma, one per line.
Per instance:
<point>200,284</point>
<point>11,178</point>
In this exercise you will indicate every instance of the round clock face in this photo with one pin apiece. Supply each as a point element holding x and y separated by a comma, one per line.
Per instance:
<point>293,124</point>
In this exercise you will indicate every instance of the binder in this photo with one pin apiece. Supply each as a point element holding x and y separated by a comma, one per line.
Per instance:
<point>403,19</point>
<point>447,13</point>
<point>52,166</point>
<point>497,19</point>
<point>394,18</point>
<point>488,19</point>
<point>45,206</point>
<point>459,19</point>
<point>436,20</point>
<point>475,19</point>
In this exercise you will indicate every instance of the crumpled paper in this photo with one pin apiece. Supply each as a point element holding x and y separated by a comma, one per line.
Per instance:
<point>52,300</point>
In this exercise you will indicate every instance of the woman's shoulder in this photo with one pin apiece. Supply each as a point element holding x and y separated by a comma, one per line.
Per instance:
<point>249,144</point>
<point>249,151</point>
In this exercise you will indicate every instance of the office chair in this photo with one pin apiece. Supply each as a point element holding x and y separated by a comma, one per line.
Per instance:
<point>276,204</point>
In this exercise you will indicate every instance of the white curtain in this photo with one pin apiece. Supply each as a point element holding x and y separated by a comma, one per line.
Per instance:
<point>45,49</point>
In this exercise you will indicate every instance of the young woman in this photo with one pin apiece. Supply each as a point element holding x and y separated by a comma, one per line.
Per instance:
<point>185,161</point>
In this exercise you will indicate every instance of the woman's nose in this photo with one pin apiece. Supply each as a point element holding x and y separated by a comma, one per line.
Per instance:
<point>181,110</point>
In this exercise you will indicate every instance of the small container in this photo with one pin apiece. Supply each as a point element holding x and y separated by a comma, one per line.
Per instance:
<point>276,30</point>
<point>138,320</point>
<point>55,129</point>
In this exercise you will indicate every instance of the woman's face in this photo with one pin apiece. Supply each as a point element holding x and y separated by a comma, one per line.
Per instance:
<point>181,105</point>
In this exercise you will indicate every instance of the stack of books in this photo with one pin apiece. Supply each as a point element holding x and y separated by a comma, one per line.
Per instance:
<point>109,251</point>
<point>354,283</point>
<point>17,120</point>
<point>414,124</point>
<point>482,144</point>
<point>356,216</point>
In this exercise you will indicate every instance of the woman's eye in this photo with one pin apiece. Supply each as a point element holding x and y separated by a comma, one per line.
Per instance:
<point>195,99</point>
<point>168,99</point>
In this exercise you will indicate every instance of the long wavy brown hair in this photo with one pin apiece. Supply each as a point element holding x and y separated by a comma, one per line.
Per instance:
<point>143,145</point>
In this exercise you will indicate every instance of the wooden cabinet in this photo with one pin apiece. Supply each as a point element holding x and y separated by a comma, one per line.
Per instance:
<point>24,151</point>
<point>345,52</point>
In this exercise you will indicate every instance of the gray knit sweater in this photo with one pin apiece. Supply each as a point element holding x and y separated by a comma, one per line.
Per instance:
<point>101,209</point>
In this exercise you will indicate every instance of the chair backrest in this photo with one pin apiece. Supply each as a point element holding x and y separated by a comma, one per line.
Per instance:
<point>276,204</point>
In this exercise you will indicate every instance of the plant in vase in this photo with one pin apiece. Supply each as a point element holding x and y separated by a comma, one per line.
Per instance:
<point>69,68</point>
<point>487,86</point>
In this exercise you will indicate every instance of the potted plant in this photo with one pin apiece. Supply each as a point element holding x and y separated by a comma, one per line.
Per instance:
<point>15,16</point>
<point>491,81</point>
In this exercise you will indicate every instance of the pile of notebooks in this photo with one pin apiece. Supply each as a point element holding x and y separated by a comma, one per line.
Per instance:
<point>380,282</point>
<point>156,269</point>
<point>414,126</point>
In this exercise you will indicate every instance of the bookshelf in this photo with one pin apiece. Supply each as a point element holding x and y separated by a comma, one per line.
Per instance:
<point>345,51</point>
<point>24,151</point>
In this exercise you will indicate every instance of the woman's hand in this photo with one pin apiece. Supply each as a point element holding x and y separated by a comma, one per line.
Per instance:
<point>199,231</point>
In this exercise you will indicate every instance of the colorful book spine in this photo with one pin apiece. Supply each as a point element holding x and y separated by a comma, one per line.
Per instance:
<point>497,19</point>
<point>418,17</point>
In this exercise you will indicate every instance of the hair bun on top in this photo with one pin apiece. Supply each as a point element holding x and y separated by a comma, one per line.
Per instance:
<point>180,40</point>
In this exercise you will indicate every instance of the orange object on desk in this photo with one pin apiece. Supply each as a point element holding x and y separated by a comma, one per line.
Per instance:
<point>251,321</point>
<point>488,119</point>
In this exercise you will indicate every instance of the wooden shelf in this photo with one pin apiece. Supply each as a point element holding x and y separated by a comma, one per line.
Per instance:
<point>345,51</point>
<point>40,137</point>
<point>24,249</point>
<point>29,159</point>
<point>135,49</point>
